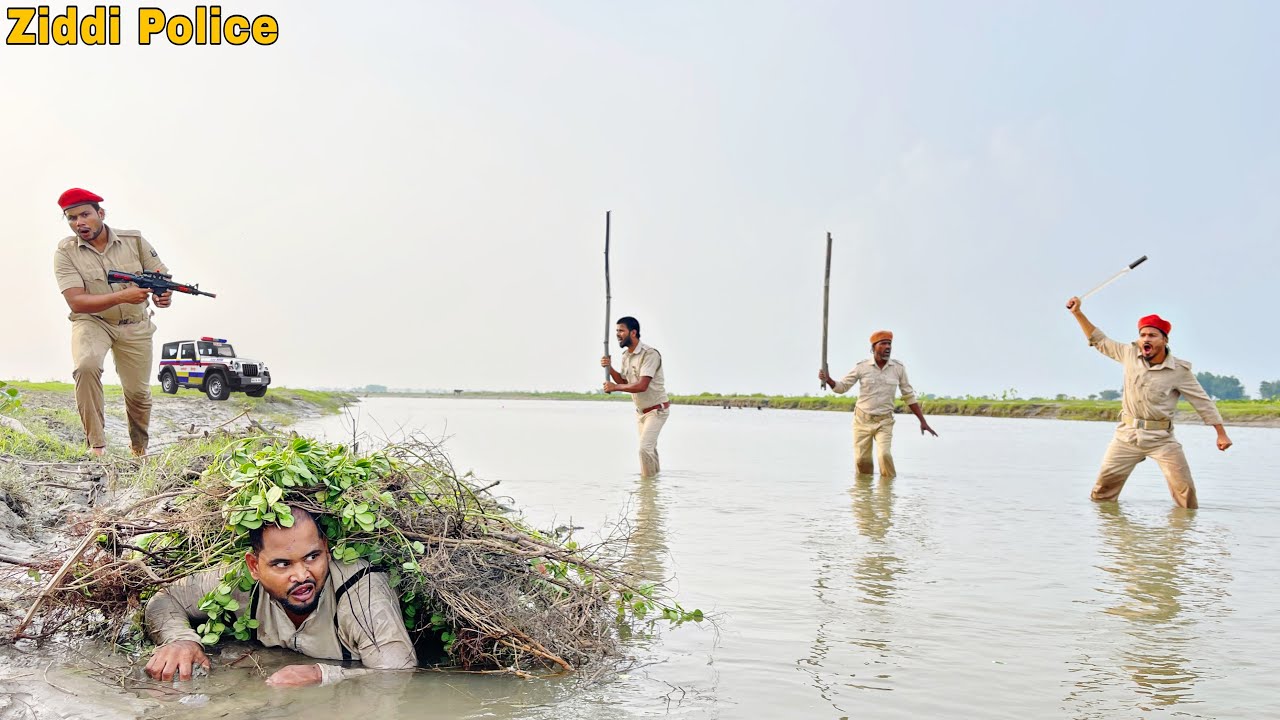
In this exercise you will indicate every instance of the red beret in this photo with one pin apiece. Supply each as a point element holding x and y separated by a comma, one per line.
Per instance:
<point>76,196</point>
<point>879,335</point>
<point>1156,322</point>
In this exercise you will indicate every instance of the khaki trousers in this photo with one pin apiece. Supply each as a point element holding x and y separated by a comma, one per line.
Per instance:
<point>649,425</point>
<point>1131,446</point>
<point>130,347</point>
<point>869,429</point>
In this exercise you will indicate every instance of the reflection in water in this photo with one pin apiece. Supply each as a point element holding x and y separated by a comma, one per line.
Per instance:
<point>648,538</point>
<point>853,572</point>
<point>1164,582</point>
<point>878,567</point>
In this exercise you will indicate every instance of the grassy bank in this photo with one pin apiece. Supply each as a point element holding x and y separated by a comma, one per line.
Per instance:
<point>276,399</point>
<point>1241,412</point>
<point>1234,412</point>
<point>48,411</point>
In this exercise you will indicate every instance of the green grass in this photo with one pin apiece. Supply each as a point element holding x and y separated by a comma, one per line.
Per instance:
<point>328,402</point>
<point>1109,410</point>
<point>42,445</point>
<point>170,467</point>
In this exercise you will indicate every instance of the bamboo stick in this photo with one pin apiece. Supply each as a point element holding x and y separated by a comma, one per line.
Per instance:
<point>826,305</point>
<point>608,296</point>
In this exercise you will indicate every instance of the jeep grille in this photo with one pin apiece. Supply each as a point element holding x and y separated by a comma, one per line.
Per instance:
<point>250,370</point>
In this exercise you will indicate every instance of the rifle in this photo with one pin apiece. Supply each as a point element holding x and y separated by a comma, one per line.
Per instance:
<point>157,282</point>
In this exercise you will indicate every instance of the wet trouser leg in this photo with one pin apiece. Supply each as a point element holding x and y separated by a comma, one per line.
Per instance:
<point>1122,456</point>
<point>648,426</point>
<point>863,435</point>
<point>884,448</point>
<point>90,341</point>
<point>1177,473</point>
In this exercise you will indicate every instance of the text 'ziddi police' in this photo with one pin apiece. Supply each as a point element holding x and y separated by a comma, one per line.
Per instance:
<point>206,25</point>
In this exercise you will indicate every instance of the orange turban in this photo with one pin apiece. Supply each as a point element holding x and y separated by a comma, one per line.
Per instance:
<point>879,335</point>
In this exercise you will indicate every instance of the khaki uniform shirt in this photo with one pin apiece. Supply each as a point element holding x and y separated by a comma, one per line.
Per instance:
<point>76,264</point>
<point>366,621</point>
<point>876,385</point>
<point>1151,392</point>
<point>645,362</point>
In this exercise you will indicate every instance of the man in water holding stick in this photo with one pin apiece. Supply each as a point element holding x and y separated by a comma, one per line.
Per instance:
<point>642,377</point>
<point>1153,382</point>
<point>873,413</point>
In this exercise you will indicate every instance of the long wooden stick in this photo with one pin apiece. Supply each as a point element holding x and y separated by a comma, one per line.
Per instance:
<point>608,297</point>
<point>53,584</point>
<point>826,306</point>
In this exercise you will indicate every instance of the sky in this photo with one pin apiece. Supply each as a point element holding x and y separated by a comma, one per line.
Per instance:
<point>413,194</point>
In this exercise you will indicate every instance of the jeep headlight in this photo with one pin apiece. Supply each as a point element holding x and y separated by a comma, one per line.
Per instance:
<point>262,367</point>
<point>235,365</point>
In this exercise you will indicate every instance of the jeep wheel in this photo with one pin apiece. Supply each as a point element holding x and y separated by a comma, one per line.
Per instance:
<point>168,382</point>
<point>216,387</point>
<point>256,392</point>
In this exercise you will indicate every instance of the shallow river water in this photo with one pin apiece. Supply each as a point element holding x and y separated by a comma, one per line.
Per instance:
<point>981,582</point>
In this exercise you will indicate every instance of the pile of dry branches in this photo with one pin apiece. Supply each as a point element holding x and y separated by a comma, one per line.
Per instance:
<point>472,577</point>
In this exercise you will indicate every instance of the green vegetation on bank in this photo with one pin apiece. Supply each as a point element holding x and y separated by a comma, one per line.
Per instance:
<point>1242,411</point>
<point>276,397</point>
<point>54,427</point>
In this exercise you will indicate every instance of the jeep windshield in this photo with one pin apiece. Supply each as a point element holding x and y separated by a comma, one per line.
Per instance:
<point>216,349</point>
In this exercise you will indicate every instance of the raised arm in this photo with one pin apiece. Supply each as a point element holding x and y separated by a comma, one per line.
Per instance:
<point>1087,327</point>
<point>1097,338</point>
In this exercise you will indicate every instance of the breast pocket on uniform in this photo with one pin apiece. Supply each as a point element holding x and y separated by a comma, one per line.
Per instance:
<point>95,281</point>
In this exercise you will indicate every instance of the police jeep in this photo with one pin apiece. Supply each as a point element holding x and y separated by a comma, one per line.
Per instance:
<point>211,365</point>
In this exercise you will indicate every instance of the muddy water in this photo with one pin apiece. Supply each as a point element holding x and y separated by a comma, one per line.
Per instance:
<point>979,583</point>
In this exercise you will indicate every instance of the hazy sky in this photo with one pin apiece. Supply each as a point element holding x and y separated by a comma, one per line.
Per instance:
<point>413,194</point>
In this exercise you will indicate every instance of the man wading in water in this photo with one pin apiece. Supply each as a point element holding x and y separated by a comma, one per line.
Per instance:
<point>873,413</point>
<point>642,377</point>
<point>303,600</point>
<point>1153,382</point>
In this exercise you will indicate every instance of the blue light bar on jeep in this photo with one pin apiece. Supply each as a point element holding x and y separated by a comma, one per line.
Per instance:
<point>209,339</point>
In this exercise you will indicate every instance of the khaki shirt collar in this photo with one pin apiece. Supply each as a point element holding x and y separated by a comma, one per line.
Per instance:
<point>1166,364</point>
<point>638,349</point>
<point>111,238</point>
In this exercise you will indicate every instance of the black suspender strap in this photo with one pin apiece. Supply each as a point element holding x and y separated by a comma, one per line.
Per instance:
<point>253,605</point>
<point>337,598</point>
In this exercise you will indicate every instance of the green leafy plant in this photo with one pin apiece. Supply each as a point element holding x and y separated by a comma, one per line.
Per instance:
<point>10,399</point>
